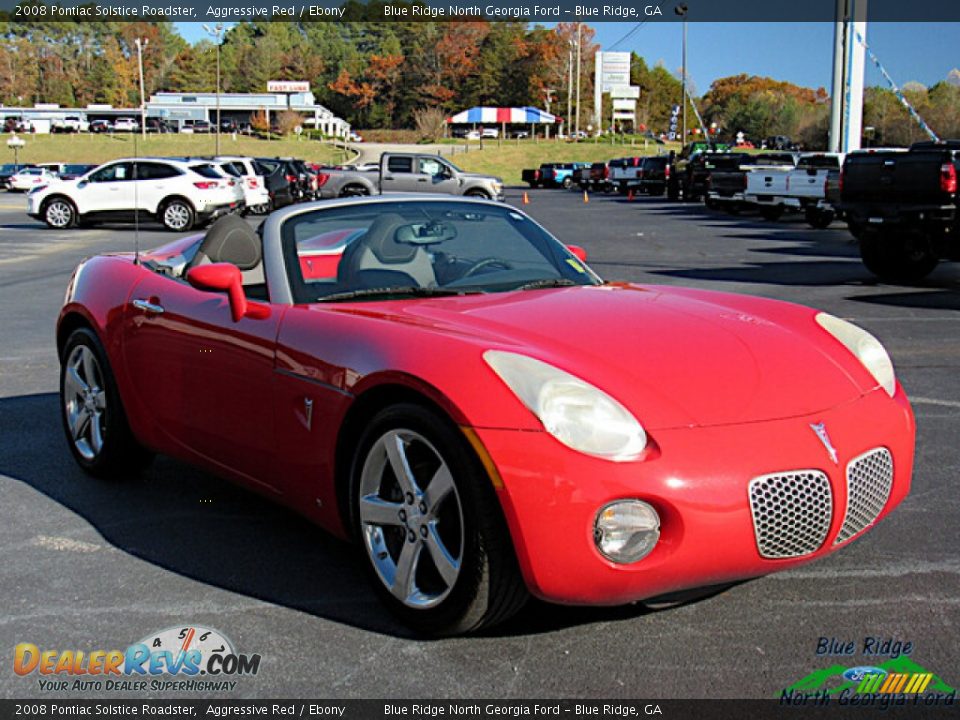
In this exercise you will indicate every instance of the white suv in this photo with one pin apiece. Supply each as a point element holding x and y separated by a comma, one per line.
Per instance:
<point>179,193</point>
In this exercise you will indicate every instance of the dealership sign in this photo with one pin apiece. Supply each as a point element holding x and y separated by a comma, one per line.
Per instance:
<point>287,86</point>
<point>613,69</point>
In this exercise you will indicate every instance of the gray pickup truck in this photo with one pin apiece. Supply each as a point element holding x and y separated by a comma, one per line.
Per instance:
<point>411,172</point>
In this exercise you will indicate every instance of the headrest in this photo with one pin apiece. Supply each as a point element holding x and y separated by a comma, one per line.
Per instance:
<point>380,239</point>
<point>231,240</point>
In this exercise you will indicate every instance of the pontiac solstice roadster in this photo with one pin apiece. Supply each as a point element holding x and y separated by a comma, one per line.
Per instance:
<point>444,382</point>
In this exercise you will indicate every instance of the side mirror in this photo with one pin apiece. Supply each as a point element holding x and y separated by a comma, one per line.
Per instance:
<point>578,251</point>
<point>225,277</point>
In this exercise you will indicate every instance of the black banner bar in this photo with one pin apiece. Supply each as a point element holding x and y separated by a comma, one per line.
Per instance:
<point>534,11</point>
<point>810,709</point>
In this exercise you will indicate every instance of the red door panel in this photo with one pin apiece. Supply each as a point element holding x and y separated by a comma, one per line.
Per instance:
<point>205,380</point>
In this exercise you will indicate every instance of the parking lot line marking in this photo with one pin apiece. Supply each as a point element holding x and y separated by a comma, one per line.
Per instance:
<point>934,401</point>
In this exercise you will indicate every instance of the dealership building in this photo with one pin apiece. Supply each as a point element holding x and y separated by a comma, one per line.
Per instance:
<point>178,108</point>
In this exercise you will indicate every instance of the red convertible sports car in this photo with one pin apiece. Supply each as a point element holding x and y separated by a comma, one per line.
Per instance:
<point>458,392</point>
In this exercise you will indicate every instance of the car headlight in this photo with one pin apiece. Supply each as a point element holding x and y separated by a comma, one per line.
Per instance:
<point>575,412</point>
<point>626,531</point>
<point>867,349</point>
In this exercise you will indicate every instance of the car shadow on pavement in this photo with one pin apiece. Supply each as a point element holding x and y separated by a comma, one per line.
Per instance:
<point>193,524</point>
<point>793,273</point>
<point>945,299</point>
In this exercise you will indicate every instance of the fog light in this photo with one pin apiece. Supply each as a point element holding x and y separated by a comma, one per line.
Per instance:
<point>626,531</point>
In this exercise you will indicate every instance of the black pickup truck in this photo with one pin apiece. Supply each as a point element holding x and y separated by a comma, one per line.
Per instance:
<point>903,207</point>
<point>536,177</point>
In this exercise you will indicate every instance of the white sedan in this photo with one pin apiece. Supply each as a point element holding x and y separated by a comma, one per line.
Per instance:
<point>29,178</point>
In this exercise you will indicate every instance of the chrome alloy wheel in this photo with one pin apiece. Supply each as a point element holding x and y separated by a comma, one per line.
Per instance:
<point>411,518</point>
<point>85,402</point>
<point>59,214</point>
<point>176,216</point>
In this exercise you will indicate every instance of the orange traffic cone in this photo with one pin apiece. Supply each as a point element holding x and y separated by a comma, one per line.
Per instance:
<point>586,198</point>
<point>526,199</point>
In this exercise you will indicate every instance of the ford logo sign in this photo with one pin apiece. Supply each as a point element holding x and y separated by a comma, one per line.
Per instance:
<point>855,674</point>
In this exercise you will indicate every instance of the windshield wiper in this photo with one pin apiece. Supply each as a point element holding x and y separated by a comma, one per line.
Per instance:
<point>412,290</point>
<point>551,283</point>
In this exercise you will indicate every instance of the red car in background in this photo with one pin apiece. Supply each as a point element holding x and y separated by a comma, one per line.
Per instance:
<point>458,392</point>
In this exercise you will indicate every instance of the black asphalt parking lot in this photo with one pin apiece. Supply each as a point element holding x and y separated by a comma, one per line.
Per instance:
<point>94,565</point>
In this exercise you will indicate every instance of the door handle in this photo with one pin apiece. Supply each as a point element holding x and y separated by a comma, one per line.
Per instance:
<point>421,180</point>
<point>148,306</point>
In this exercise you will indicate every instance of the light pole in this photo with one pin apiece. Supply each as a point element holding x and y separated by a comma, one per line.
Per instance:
<point>141,44</point>
<point>579,73</point>
<point>681,10</point>
<point>216,32</point>
<point>569,87</point>
<point>15,143</point>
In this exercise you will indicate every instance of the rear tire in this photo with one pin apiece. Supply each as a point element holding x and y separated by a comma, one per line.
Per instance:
<point>771,213</point>
<point>94,420</point>
<point>430,526</point>
<point>819,219</point>
<point>177,215</point>
<point>354,191</point>
<point>567,182</point>
<point>898,258</point>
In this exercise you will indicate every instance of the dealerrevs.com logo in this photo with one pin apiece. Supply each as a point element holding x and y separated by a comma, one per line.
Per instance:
<point>183,658</point>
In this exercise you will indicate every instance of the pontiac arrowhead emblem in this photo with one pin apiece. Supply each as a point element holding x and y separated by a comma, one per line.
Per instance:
<point>821,430</point>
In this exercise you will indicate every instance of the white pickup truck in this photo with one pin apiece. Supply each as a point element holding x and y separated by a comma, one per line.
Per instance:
<point>801,189</point>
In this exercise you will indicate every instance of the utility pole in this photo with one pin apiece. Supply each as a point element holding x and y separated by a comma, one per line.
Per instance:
<point>579,73</point>
<point>548,92</point>
<point>216,32</point>
<point>141,44</point>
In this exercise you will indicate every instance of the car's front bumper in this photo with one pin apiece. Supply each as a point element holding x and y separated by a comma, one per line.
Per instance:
<point>697,480</point>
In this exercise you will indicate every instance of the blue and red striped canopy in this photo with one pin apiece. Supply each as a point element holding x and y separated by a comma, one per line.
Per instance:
<point>499,115</point>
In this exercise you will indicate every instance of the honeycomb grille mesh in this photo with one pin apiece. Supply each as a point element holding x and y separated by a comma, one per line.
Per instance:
<point>869,479</point>
<point>791,512</point>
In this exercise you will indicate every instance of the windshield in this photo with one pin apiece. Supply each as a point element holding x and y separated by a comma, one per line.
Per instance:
<point>407,248</point>
<point>452,166</point>
<point>76,169</point>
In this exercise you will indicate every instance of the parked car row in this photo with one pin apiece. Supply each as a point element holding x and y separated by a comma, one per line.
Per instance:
<point>902,205</point>
<point>179,192</point>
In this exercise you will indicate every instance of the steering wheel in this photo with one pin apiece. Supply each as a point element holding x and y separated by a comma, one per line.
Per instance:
<point>485,262</point>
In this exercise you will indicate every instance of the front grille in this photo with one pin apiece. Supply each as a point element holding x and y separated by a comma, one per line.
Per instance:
<point>869,479</point>
<point>791,512</point>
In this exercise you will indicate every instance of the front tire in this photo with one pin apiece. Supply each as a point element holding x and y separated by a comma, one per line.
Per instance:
<point>477,194</point>
<point>177,215</point>
<point>94,419</point>
<point>426,515</point>
<point>59,214</point>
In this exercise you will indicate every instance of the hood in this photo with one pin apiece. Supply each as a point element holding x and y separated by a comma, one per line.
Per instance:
<point>480,176</point>
<point>676,358</point>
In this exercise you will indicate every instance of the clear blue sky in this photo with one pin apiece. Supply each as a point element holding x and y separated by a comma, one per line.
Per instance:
<point>798,52</point>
